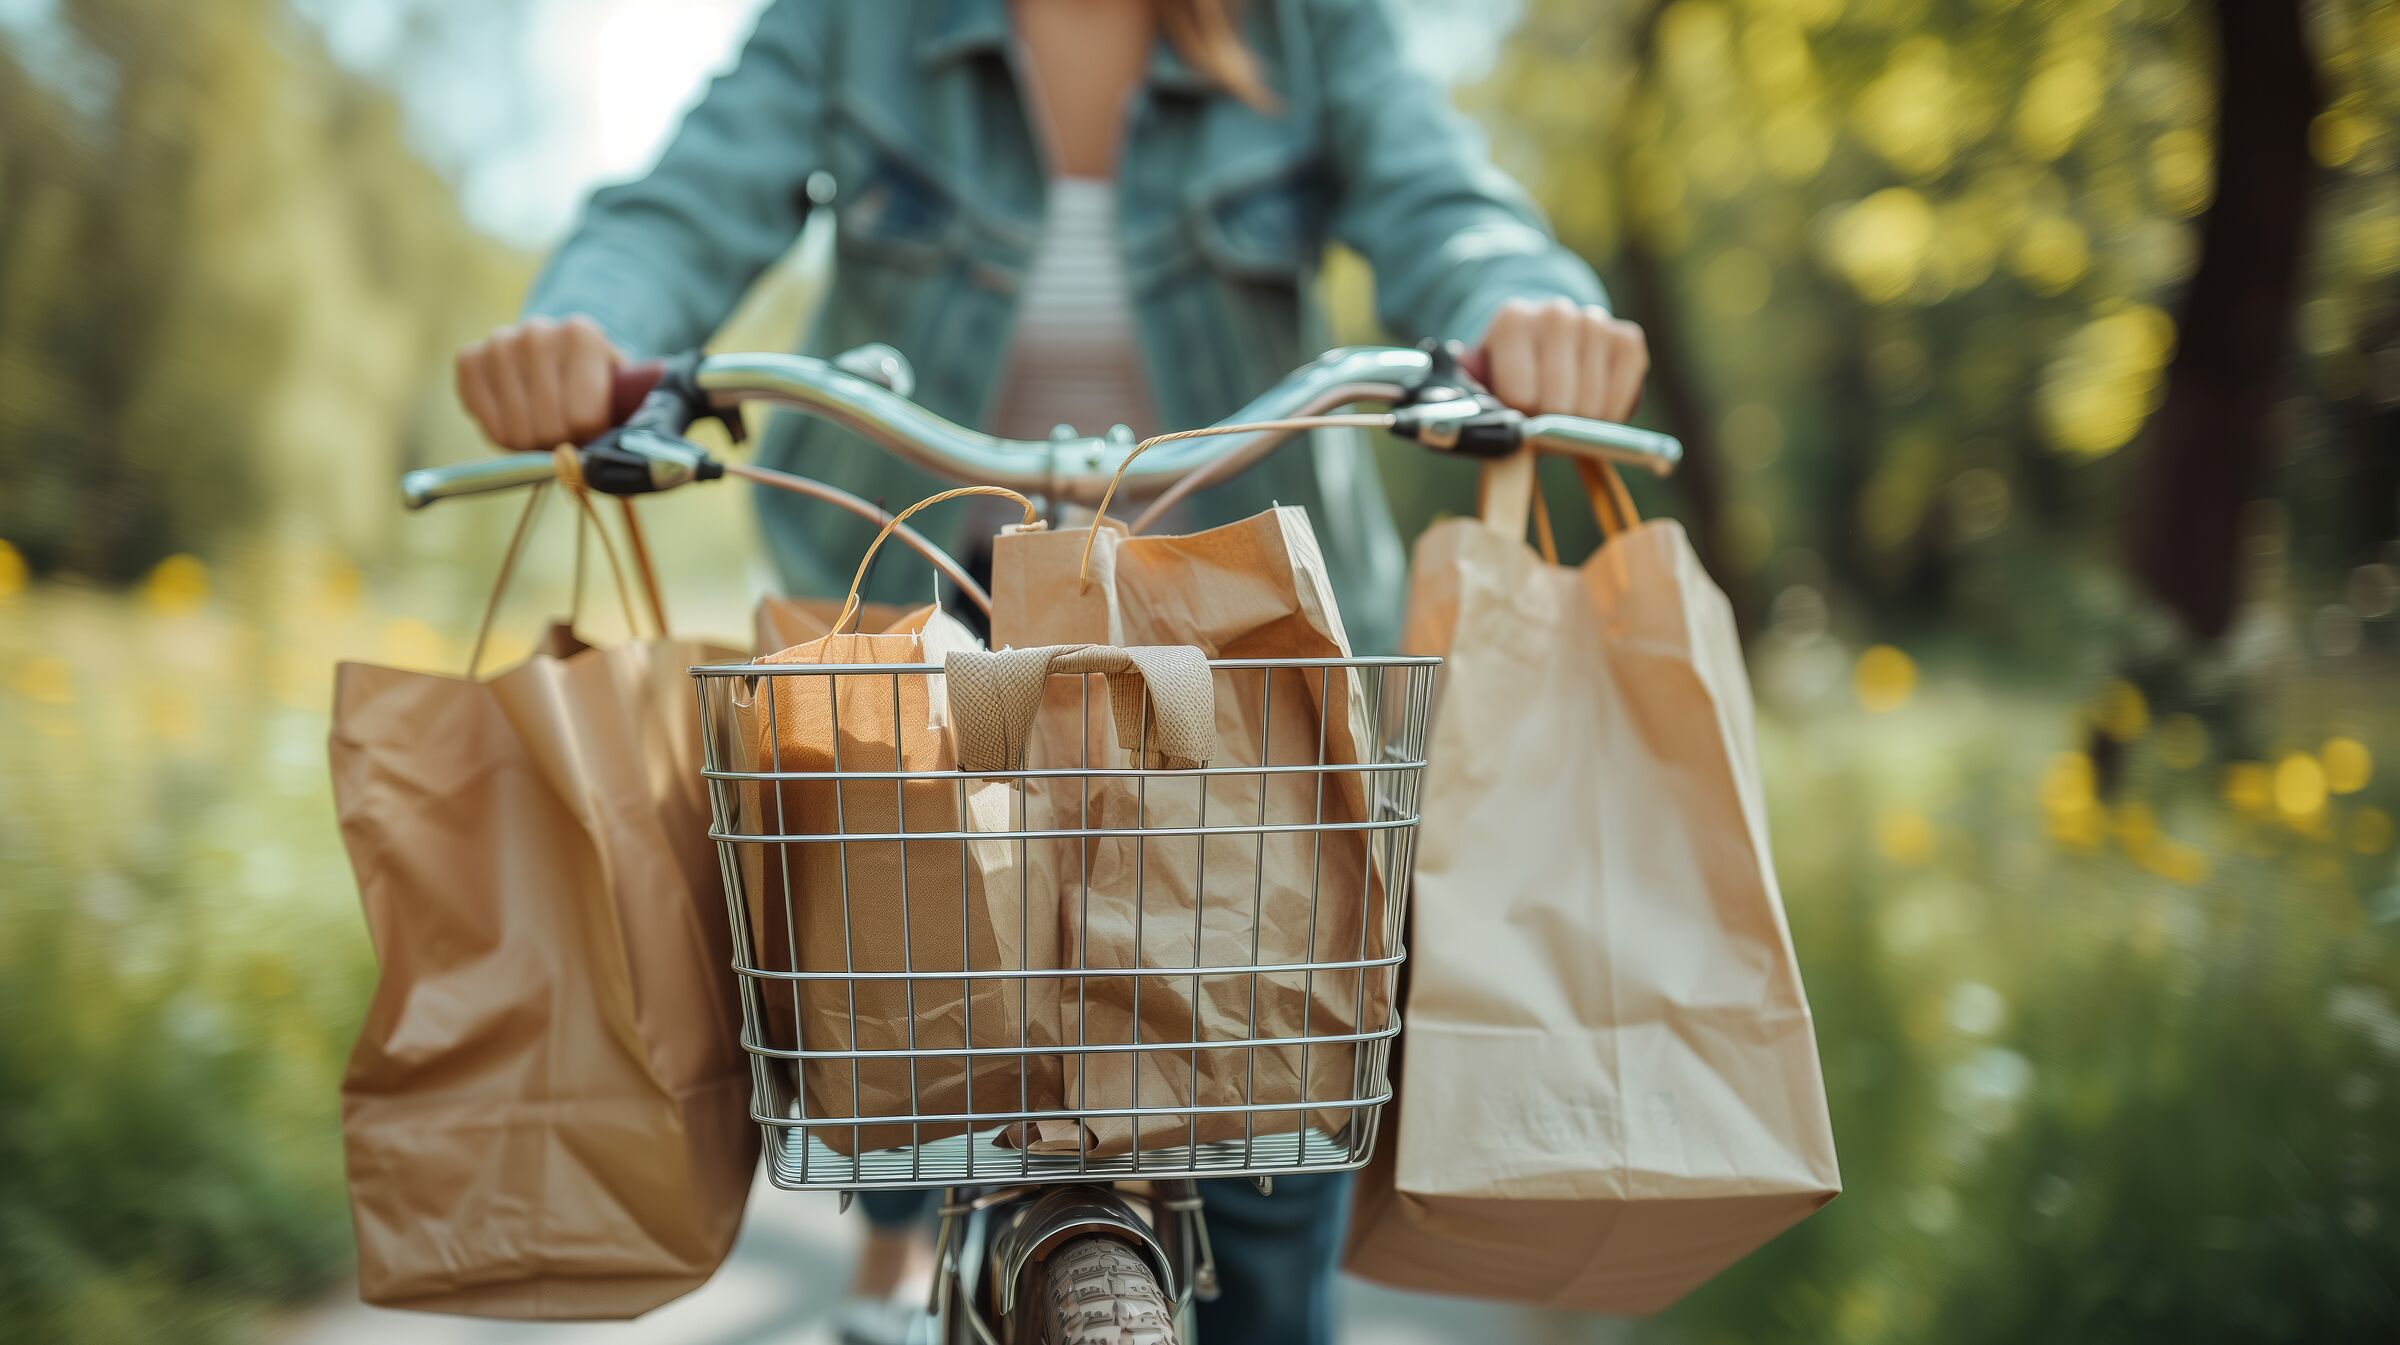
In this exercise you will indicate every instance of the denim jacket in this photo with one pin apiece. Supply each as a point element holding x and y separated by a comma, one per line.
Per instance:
<point>913,109</point>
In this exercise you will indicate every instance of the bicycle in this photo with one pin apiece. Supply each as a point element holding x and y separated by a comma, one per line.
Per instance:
<point>1035,1243</point>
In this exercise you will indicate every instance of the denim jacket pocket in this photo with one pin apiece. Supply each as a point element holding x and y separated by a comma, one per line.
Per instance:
<point>888,209</point>
<point>1266,226</point>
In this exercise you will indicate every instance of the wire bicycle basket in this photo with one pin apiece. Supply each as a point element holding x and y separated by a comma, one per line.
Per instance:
<point>1082,968</point>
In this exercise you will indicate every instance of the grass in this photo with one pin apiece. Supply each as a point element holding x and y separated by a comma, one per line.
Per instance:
<point>179,978</point>
<point>2101,1070</point>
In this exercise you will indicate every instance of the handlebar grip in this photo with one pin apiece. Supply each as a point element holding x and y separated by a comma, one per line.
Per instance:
<point>506,471</point>
<point>629,385</point>
<point>1476,364</point>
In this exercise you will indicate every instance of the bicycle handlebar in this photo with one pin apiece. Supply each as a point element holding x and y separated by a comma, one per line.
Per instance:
<point>865,392</point>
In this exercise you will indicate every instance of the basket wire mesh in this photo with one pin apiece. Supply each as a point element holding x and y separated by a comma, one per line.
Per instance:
<point>1031,896</point>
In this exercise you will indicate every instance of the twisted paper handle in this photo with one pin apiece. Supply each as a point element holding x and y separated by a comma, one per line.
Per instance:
<point>850,600</point>
<point>1362,421</point>
<point>811,489</point>
<point>569,470</point>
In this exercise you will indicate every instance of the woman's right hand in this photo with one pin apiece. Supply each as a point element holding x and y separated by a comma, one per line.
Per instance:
<point>536,384</point>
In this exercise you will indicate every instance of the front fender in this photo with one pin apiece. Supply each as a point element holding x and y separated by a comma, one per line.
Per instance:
<point>1061,1212</point>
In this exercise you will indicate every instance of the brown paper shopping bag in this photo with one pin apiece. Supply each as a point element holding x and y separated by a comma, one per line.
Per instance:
<point>1610,1079</point>
<point>779,623</point>
<point>546,1114</point>
<point>807,621</point>
<point>1257,588</point>
<point>834,908</point>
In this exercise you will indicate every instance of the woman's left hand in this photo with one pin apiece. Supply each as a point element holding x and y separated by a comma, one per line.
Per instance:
<point>1555,355</point>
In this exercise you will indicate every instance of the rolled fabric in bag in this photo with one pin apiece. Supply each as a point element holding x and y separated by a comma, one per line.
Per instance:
<point>1159,695</point>
<point>1257,588</point>
<point>1610,1081</point>
<point>546,1113</point>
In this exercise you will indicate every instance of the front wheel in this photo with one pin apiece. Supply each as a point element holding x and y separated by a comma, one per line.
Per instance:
<point>1099,1291</point>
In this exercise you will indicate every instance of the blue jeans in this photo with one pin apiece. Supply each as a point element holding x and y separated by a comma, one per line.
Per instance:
<point>1276,1255</point>
<point>1276,1258</point>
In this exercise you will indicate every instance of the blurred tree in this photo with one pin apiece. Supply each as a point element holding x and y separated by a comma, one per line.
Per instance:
<point>2208,445</point>
<point>1674,378</point>
<point>224,280</point>
<point>1909,266</point>
<point>1964,288</point>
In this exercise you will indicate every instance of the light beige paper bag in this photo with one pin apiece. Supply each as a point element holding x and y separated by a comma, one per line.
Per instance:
<point>546,1113</point>
<point>1611,1089</point>
<point>1257,588</point>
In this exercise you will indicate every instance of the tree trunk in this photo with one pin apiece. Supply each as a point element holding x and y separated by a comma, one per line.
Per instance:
<point>2371,431</point>
<point>1684,407</point>
<point>1674,380</point>
<point>2208,444</point>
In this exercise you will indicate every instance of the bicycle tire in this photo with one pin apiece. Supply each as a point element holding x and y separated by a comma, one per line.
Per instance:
<point>1099,1291</point>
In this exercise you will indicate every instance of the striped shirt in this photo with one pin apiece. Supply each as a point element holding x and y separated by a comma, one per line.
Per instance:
<point>1073,358</point>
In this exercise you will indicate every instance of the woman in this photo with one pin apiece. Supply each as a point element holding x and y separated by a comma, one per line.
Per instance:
<point>1085,212</point>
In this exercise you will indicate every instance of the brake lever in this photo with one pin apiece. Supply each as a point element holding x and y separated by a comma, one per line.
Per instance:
<point>654,402</point>
<point>637,460</point>
<point>1449,411</point>
<point>665,395</point>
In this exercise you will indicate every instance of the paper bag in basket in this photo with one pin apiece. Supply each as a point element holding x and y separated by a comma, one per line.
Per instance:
<point>1257,588</point>
<point>831,908</point>
<point>777,625</point>
<point>1610,1087</point>
<point>780,622</point>
<point>546,1114</point>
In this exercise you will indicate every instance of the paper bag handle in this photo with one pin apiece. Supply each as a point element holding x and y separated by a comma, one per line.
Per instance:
<point>1510,494</point>
<point>813,489</point>
<point>588,520</point>
<point>569,467</point>
<point>1163,697</point>
<point>1083,568</point>
<point>640,547</point>
<point>850,600</point>
<point>1543,536</point>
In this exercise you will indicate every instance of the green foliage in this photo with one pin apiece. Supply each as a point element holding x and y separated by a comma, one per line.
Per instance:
<point>218,262</point>
<point>163,1154</point>
<point>182,958</point>
<point>180,973</point>
<point>227,291</point>
<point>2120,1068</point>
<point>1917,265</point>
<point>2076,1100</point>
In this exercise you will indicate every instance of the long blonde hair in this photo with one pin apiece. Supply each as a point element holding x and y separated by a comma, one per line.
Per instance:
<point>1208,34</point>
